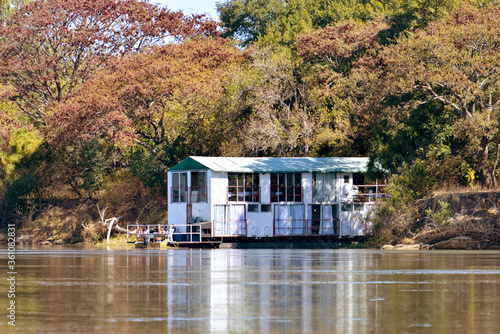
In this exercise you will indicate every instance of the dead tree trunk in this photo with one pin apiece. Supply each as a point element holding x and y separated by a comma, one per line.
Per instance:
<point>112,224</point>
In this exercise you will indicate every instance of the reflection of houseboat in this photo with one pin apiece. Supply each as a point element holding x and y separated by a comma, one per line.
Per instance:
<point>232,199</point>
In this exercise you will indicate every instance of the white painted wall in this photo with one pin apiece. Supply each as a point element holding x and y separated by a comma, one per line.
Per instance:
<point>177,214</point>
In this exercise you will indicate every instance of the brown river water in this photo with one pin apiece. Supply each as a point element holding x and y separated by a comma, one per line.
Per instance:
<point>92,290</point>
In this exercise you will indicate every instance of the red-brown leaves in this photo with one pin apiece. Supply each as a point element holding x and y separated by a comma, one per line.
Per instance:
<point>147,97</point>
<point>50,47</point>
<point>335,43</point>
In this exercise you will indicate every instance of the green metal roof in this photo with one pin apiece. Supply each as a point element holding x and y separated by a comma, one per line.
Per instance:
<point>274,165</point>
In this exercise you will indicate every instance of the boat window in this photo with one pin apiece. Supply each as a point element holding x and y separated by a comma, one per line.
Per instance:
<point>253,207</point>
<point>179,188</point>
<point>324,187</point>
<point>359,207</point>
<point>243,187</point>
<point>265,208</point>
<point>286,187</point>
<point>198,187</point>
<point>346,207</point>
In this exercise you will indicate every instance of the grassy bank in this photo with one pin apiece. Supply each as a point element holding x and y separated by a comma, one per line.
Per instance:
<point>467,214</point>
<point>70,221</point>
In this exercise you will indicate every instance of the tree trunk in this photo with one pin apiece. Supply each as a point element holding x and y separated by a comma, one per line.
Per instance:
<point>487,176</point>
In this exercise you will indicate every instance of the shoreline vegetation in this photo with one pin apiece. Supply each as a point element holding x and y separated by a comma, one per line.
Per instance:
<point>461,219</point>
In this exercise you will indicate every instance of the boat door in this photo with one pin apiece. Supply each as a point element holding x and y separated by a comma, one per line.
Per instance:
<point>315,219</point>
<point>347,207</point>
<point>346,219</point>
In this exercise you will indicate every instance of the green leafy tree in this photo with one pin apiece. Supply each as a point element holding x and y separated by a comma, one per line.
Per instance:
<point>8,7</point>
<point>246,20</point>
<point>275,114</point>
<point>339,65</point>
<point>408,16</point>
<point>455,62</point>
<point>22,143</point>
<point>401,137</point>
<point>294,20</point>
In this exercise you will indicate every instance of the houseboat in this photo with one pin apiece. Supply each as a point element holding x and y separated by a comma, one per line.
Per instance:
<point>224,199</point>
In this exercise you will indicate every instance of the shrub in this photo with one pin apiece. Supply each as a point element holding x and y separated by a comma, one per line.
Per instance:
<point>441,217</point>
<point>93,233</point>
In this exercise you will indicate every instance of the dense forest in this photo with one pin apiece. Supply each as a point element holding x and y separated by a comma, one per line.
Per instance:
<point>99,98</point>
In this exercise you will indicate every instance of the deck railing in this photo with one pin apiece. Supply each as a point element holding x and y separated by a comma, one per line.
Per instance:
<point>306,227</point>
<point>289,227</point>
<point>369,193</point>
<point>189,233</point>
<point>149,231</point>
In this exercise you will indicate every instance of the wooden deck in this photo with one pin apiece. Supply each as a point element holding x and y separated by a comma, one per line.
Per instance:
<point>189,244</point>
<point>196,235</point>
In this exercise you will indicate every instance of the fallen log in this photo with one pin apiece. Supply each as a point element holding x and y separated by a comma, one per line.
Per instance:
<point>112,224</point>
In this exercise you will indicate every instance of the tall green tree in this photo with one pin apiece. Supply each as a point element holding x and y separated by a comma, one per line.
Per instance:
<point>277,115</point>
<point>339,65</point>
<point>455,62</point>
<point>246,20</point>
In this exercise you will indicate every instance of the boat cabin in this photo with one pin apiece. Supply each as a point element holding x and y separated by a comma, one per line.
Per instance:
<point>271,197</point>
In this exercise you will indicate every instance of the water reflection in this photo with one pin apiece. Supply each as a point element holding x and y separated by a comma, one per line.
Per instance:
<point>248,291</point>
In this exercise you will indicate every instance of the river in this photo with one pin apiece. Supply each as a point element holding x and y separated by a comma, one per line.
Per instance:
<point>92,290</point>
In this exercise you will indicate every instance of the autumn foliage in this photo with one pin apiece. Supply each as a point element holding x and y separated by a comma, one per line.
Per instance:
<point>93,89</point>
<point>50,47</point>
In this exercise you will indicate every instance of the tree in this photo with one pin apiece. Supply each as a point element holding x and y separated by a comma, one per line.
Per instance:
<point>339,65</point>
<point>246,20</point>
<point>282,21</point>
<point>277,116</point>
<point>455,61</point>
<point>50,47</point>
<point>408,16</point>
<point>7,7</point>
<point>166,100</point>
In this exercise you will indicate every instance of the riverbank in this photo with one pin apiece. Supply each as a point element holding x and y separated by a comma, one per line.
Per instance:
<point>452,220</point>
<point>448,220</point>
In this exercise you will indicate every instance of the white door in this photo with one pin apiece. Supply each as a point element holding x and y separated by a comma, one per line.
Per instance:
<point>359,221</point>
<point>346,219</point>
<point>347,207</point>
